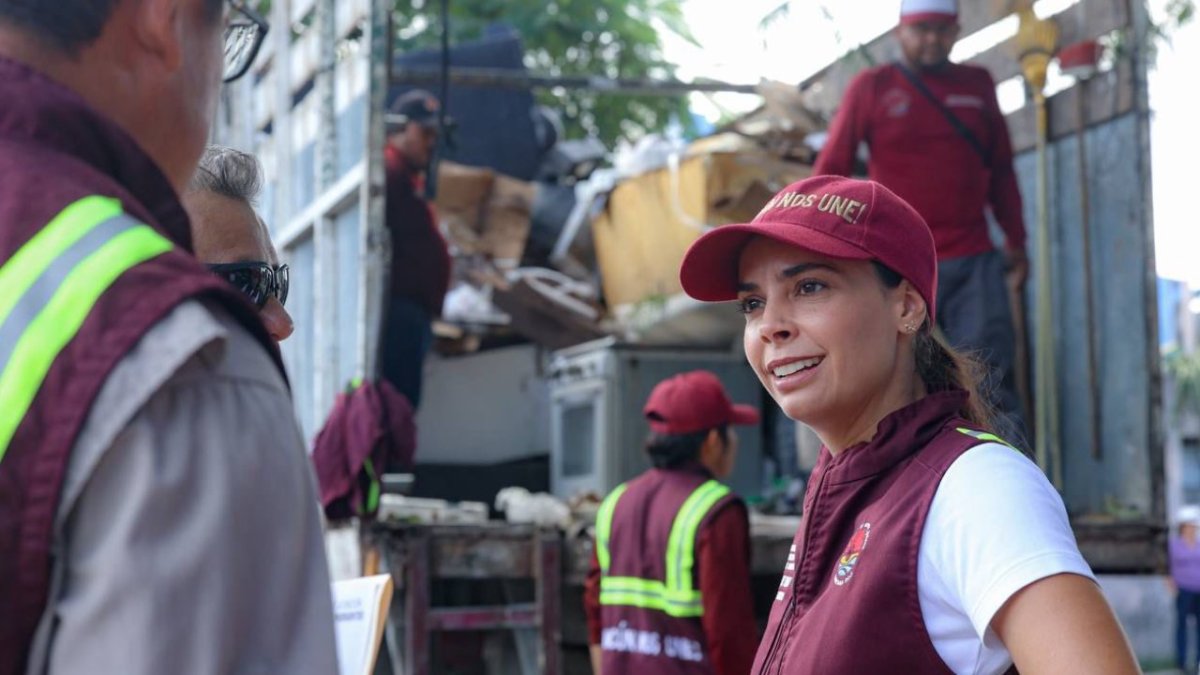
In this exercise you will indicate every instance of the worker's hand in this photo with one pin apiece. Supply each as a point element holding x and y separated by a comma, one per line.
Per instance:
<point>595,652</point>
<point>1016,264</point>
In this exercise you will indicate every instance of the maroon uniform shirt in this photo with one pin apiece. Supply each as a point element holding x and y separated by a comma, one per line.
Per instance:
<point>917,154</point>
<point>420,260</point>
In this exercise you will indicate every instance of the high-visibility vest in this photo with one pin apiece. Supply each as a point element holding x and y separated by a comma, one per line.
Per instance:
<point>50,286</point>
<point>675,595</point>
<point>76,295</point>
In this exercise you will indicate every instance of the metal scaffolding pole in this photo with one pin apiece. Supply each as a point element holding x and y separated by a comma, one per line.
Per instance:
<point>516,79</point>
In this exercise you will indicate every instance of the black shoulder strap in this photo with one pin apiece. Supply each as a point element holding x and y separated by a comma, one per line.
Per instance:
<point>958,125</point>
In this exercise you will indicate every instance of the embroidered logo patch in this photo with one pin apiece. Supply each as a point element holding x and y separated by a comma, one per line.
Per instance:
<point>849,559</point>
<point>896,102</point>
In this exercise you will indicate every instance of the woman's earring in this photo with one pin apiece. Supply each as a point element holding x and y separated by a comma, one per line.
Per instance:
<point>910,328</point>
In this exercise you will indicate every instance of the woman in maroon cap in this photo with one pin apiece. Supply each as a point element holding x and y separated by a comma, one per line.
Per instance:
<point>928,545</point>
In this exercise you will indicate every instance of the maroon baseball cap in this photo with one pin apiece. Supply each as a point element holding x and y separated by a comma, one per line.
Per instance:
<point>834,216</point>
<point>694,401</point>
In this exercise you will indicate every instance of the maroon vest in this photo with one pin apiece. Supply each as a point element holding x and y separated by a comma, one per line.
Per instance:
<point>848,600</point>
<point>641,640</point>
<point>54,151</point>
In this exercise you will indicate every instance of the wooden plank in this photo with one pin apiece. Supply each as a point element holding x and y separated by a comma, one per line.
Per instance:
<point>1086,20</point>
<point>476,551</point>
<point>506,617</point>
<point>416,604</point>
<point>975,15</point>
<point>549,591</point>
<point>1122,547</point>
<point>482,557</point>
<point>1106,97</point>
<point>823,91</point>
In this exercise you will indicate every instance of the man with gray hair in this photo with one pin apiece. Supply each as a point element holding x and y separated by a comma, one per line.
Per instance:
<point>231,239</point>
<point>158,512</point>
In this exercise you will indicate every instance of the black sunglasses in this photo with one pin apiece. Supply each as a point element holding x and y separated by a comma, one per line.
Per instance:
<point>244,34</point>
<point>257,280</point>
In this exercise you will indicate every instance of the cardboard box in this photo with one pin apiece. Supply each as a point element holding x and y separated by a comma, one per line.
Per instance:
<point>651,219</point>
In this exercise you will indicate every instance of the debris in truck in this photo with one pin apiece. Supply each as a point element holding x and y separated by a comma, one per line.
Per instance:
<point>550,308</point>
<point>484,213</point>
<point>521,506</point>
<point>784,123</point>
<point>652,218</point>
<point>399,510</point>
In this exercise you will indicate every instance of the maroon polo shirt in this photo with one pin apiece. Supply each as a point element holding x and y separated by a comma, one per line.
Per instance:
<point>916,153</point>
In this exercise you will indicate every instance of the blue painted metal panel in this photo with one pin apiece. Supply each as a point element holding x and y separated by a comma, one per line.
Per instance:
<point>298,349</point>
<point>1121,251</point>
<point>351,135</point>
<point>347,229</point>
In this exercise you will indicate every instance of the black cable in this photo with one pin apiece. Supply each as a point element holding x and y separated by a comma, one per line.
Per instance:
<point>443,96</point>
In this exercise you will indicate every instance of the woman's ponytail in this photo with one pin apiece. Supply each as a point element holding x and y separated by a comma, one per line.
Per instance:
<point>941,367</point>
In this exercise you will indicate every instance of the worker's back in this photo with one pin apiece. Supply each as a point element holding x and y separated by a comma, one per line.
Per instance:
<point>651,605</point>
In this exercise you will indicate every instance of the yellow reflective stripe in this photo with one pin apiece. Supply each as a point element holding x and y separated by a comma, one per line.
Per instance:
<point>55,326</point>
<point>604,518</point>
<point>682,542</point>
<point>637,585</point>
<point>68,227</point>
<point>983,436</point>
<point>649,594</point>
<point>675,597</point>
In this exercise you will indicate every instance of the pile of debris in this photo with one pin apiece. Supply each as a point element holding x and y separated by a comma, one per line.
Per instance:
<point>584,252</point>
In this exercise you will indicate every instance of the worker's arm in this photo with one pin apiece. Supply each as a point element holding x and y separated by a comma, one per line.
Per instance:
<point>848,130</point>
<point>189,541</point>
<point>1003,194</point>
<point>723,554</point>
<point>1063,624</point>
<point>591,610</point>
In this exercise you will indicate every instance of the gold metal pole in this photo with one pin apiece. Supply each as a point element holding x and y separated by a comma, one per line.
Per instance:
<point>1036,39</point>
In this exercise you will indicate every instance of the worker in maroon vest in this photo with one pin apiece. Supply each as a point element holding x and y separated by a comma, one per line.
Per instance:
<point>157,510</point>
<point>669,587</point>
<point>938,139</point>
<point>927,544</point>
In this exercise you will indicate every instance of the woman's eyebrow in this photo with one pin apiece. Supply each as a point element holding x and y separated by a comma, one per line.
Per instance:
<point>790,272</point>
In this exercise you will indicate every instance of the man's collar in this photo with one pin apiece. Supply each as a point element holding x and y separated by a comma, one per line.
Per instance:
<point>37,109</point>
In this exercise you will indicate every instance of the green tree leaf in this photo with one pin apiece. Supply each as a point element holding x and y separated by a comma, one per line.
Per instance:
<point>603,38</point>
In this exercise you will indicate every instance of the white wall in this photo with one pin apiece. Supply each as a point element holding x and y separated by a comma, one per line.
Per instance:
<point>483,408</point>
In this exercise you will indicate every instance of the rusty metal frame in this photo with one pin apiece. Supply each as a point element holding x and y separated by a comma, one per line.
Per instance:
<point>416,569</point>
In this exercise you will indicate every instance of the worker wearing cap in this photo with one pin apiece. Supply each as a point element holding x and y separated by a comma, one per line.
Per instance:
<point>927,544</point>
<point>420,269</point>
<point>937,139</point>
<point>669,586</point>
<point>1184,551</point>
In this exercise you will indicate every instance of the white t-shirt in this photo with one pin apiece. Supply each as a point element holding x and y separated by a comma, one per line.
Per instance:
<point>995,526</point>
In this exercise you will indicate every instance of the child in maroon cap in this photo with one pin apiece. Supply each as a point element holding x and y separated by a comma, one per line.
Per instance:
<point>928,544</point>
<point>669,586</point>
